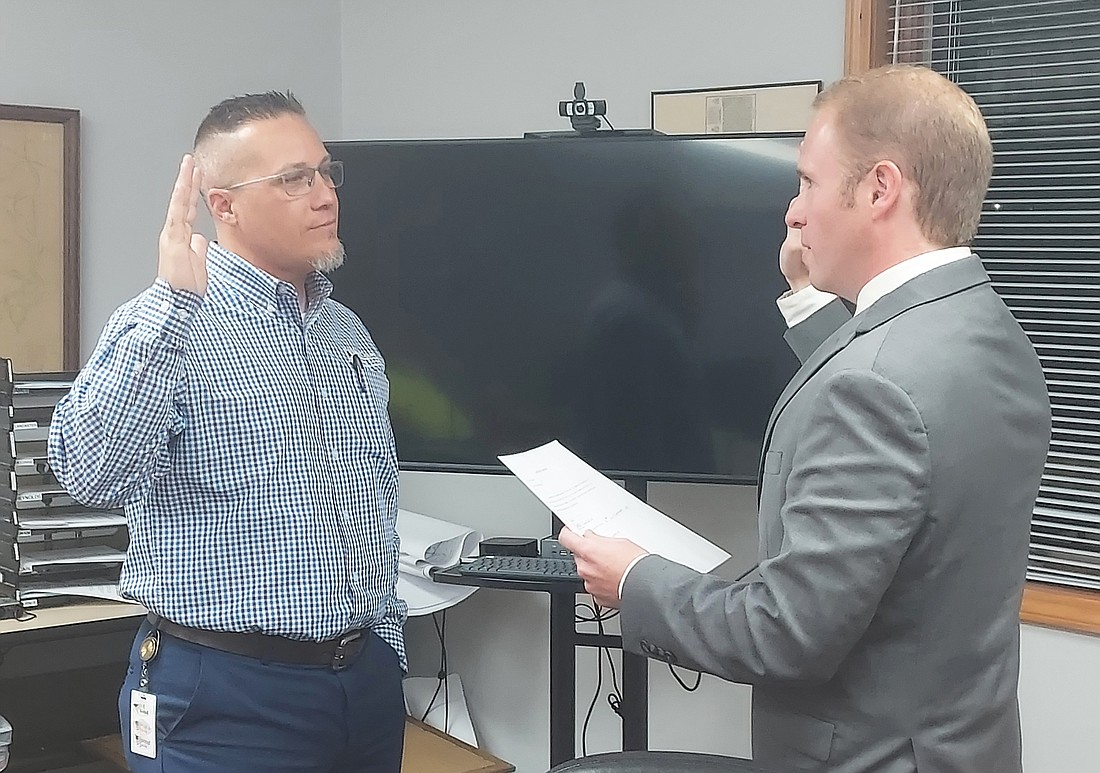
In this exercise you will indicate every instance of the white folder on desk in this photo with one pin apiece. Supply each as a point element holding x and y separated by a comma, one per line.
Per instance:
<point>428,543</point>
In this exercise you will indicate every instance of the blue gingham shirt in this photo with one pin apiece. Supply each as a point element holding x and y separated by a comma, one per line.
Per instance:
<point>251,446</point>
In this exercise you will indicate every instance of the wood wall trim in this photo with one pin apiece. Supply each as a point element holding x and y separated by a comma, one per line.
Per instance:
<point>1063,608</point>
<point>864,35</point>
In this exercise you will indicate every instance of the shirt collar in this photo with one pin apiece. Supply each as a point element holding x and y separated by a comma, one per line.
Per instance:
<point>258,287</point>
<point>895,276</point>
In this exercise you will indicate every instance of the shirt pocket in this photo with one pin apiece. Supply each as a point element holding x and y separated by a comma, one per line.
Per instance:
<point>369,375</point>
<point>365,432</point>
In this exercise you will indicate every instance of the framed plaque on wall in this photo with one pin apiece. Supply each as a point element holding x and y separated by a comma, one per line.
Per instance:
<point>39,237</point>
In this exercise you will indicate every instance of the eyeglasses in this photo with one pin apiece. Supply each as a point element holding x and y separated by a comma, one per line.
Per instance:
<point>299,182</point>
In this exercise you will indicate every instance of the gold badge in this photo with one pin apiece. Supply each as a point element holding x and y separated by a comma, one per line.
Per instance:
<point>149,646</point>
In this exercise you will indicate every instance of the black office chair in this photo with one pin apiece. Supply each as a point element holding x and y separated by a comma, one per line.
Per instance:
<point>659,762</point>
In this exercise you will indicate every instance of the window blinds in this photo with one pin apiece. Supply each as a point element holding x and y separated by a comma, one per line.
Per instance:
<point>1034,69</point>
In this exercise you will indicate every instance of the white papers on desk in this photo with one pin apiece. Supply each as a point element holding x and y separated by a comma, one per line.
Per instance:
<point>32,560</point>
<point>50,590</point>
<point>37,386</point>
<point>87,520</point>
<point>585,500</point>
<point>427,543</point>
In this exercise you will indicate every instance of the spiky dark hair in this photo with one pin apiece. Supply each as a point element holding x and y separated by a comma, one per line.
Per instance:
<point>230,114</point>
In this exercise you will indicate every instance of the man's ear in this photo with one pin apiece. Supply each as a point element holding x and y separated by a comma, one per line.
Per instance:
<point>886,181</point>
<point>220,204</point>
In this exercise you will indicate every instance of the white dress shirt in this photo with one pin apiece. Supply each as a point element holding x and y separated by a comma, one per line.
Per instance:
<point>798,306</point>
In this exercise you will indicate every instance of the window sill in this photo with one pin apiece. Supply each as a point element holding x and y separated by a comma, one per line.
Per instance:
<point>1065,608</point>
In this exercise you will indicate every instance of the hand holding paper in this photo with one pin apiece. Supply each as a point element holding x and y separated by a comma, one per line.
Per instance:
<point>602,562</point>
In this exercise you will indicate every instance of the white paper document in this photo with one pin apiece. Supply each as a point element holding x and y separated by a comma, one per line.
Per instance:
<point>105,591</point>
<point>585,500</point>
<point>88,520</point>
<point>34,386</point>
<point>426,543</point>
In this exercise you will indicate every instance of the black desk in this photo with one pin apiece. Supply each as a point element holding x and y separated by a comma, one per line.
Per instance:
<point>564,639</point>
<point>59,677</point>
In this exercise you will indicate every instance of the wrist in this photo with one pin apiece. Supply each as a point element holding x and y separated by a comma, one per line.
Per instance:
<point>178,284</point>
<point>797,283</point>
<point>626,571</point>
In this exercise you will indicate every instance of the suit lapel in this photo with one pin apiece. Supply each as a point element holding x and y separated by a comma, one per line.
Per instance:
<point>930,286</point>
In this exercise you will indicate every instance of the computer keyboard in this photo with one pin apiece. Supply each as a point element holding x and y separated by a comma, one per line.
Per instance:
<point>521,568</point>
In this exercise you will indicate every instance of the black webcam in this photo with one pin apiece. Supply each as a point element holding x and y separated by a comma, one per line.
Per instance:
<point>582,113</point>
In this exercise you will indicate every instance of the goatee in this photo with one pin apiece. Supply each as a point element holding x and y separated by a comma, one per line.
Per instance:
<point>331,260</point>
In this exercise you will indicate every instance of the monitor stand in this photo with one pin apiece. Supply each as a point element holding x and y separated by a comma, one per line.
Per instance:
<point>635,705</point>
<point>634,708</point>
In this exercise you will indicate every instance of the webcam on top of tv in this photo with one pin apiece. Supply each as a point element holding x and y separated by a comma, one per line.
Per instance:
<point>583,113</point>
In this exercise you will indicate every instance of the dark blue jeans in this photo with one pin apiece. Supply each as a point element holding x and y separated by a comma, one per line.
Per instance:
<point>224,713</point>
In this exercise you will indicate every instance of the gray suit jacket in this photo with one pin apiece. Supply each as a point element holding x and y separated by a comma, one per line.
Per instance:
<point>901,466</point>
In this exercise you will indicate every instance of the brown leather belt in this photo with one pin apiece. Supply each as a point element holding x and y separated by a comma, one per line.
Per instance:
<point>336,653</point>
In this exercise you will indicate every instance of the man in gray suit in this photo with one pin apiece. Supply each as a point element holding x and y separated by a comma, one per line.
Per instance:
<point>880,631</point>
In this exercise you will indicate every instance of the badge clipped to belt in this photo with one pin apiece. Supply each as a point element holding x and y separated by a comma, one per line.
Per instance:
<point>143,704</point>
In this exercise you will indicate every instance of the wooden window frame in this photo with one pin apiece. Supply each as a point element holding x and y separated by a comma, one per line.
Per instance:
<point>1050,606</point>
<point>865,35</point>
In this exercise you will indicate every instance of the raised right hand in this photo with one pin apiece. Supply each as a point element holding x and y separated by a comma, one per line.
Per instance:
<point>182,250</point>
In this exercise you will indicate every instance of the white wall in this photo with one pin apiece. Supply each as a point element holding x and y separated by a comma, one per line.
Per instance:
<point>492,68</point>
<point>143,73</point>
<point>1059,700</point>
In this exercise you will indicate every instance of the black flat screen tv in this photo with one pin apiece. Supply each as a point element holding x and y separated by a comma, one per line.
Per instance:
<point>616,293</point>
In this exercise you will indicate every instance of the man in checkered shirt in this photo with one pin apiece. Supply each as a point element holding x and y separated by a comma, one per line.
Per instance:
<point>240,416</point>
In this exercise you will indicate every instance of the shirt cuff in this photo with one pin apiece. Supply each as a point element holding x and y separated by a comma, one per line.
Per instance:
<point>170,312</point>
<point>622,580</point>
<point>799,305</point>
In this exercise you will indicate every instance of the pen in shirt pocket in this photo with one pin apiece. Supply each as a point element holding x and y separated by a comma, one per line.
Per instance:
<point>357,366</point>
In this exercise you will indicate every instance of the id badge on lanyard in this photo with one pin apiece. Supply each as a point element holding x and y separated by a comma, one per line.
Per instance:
<point>143,704</point>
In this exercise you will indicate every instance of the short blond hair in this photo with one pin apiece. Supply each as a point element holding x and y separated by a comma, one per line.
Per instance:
<point>931,129</point>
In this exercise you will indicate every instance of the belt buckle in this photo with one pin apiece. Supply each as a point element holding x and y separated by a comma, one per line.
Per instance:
<point>343,650</point>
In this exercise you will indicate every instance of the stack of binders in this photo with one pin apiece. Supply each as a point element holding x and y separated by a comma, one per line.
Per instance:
<point>52,549</point>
